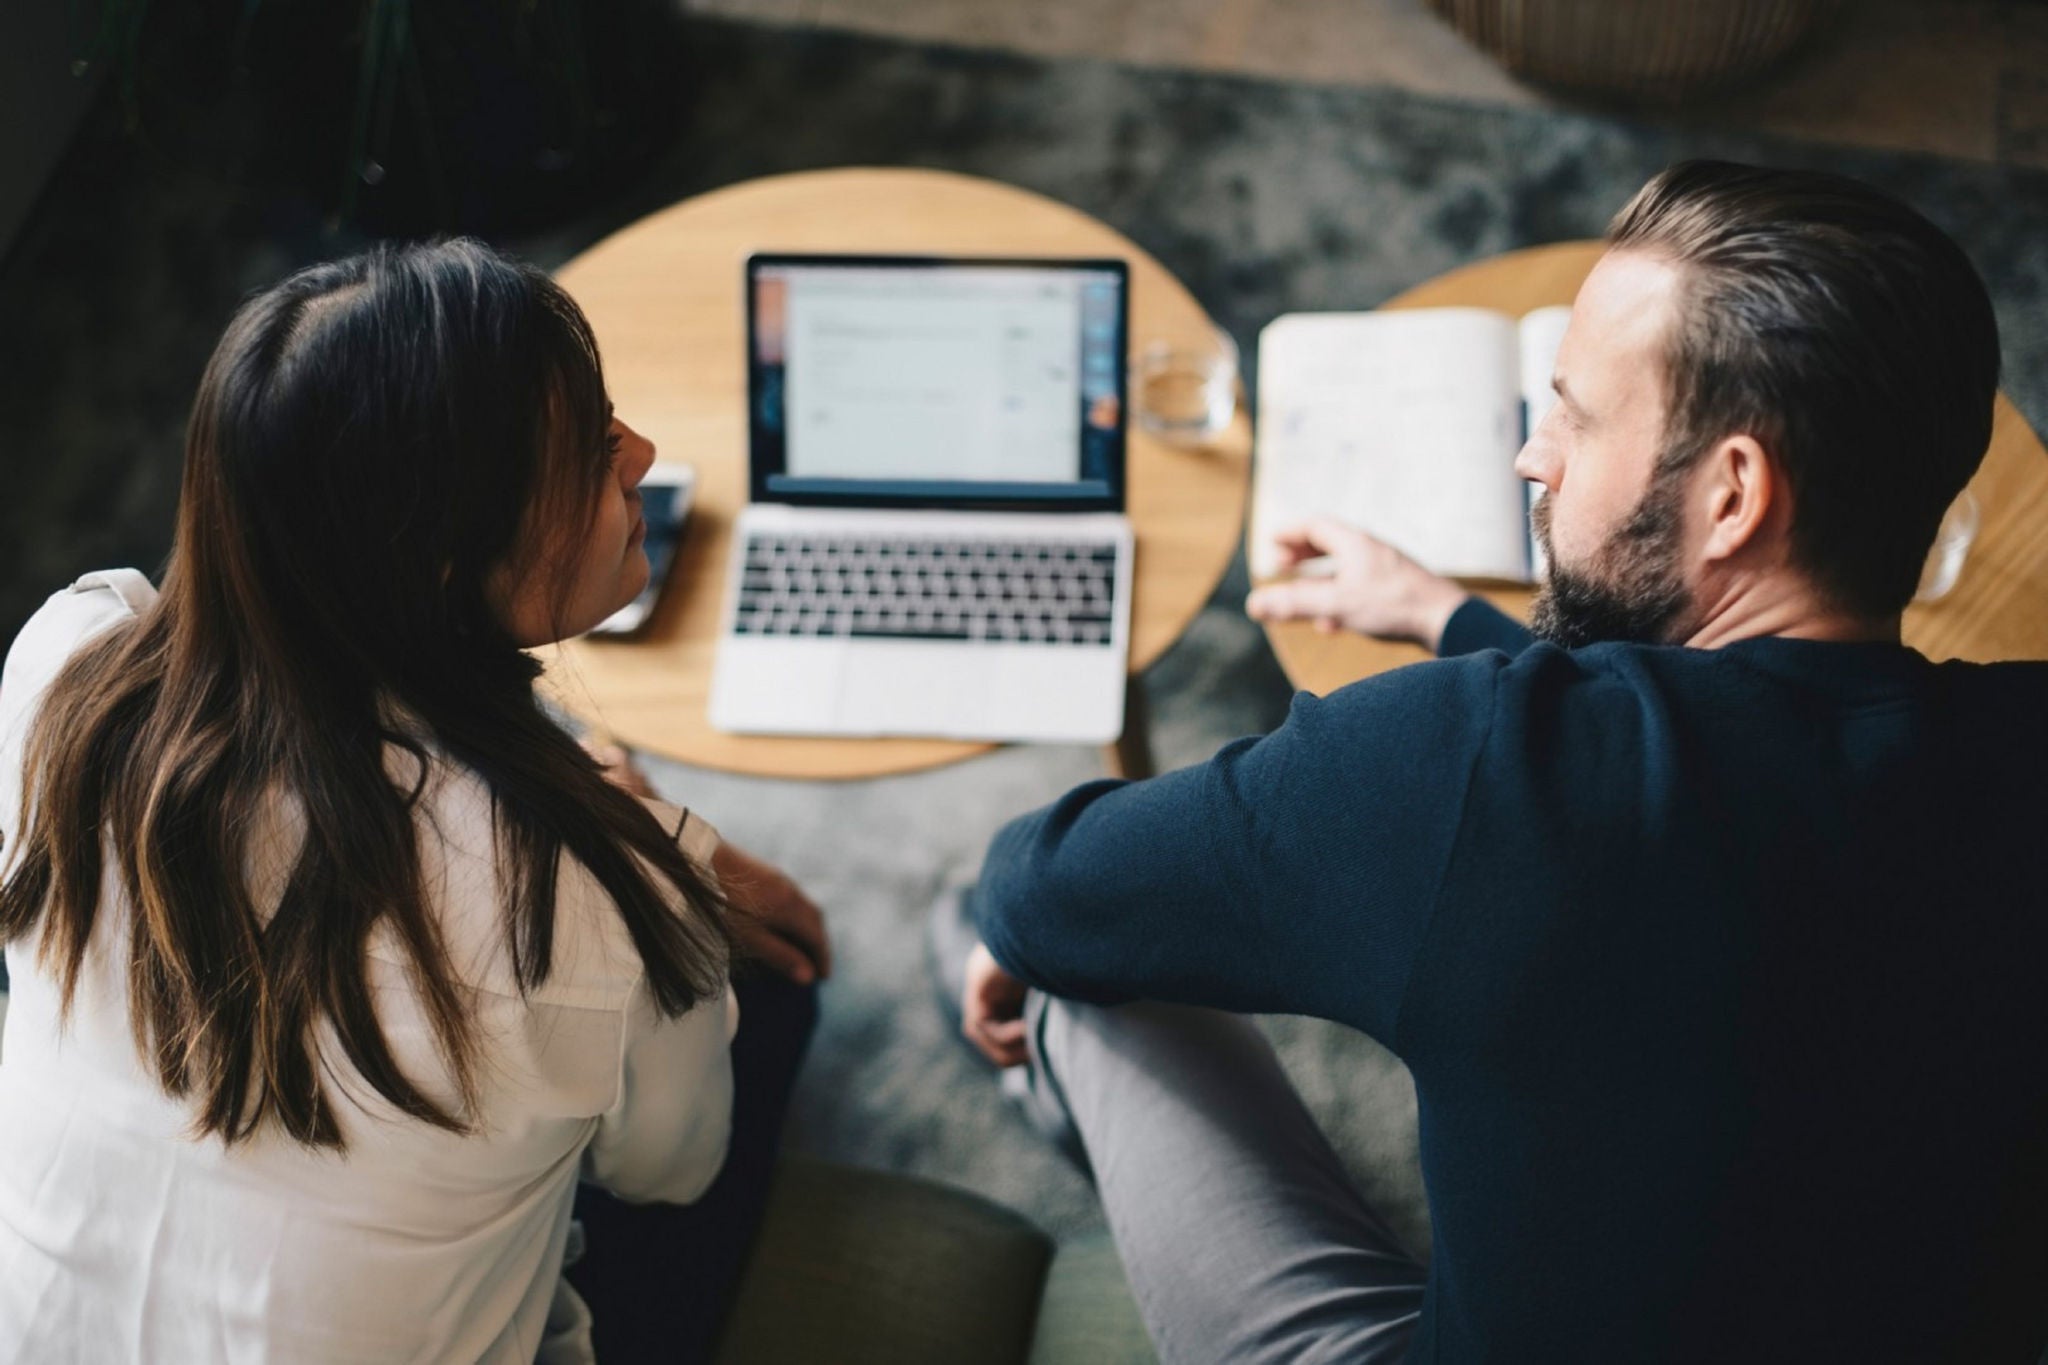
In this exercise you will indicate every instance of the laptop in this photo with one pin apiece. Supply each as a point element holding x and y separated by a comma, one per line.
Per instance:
<point>935,541</point>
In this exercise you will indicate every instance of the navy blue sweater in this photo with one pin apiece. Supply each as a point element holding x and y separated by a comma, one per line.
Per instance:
<point>1723,976</point>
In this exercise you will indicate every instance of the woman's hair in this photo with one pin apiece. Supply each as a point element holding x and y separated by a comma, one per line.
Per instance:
<point>371,439</point>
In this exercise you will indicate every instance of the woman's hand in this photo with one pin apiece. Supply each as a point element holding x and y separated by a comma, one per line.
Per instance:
<point>992,1009</point>
<point>773,920</point>
<point>1371,588</point>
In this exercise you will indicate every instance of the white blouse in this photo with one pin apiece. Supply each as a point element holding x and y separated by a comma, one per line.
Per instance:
<point>124,1238</point>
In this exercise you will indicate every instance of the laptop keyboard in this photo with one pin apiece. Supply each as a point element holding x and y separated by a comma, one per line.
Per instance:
<point>1033,591</point>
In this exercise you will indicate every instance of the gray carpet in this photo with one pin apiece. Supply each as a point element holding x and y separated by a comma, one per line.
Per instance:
<point>1262,197</point>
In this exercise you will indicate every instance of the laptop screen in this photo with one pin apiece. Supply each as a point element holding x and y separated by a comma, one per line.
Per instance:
<point>898,381</point>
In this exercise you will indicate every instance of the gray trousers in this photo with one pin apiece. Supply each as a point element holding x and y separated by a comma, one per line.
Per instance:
<point>1242,1236</point>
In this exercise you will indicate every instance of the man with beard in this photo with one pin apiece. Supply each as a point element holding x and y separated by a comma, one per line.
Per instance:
<point>1708,917</point>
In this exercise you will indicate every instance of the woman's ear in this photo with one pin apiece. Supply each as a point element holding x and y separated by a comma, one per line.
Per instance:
<point>1744,495</point>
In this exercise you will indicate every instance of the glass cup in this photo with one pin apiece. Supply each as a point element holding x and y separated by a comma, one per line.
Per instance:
<point>1184,389</point>
<point>1951,547</point>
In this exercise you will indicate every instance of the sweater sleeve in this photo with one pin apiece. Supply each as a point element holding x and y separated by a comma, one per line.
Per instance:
<point>1290,874</point>
<point>1477,625</point>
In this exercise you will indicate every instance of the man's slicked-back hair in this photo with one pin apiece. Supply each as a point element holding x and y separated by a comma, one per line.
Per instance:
<point>1845,333</point>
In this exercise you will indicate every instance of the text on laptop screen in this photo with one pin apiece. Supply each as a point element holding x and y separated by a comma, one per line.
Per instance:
<point>938,381</point>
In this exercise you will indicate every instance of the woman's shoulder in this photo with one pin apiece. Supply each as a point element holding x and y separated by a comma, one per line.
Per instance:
<point>594,963</point>
<point>74,614</point>
<point>61,626</point>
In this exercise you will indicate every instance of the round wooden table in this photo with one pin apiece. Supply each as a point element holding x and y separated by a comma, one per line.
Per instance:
<point>665,299</point>
<point>1998,609</point>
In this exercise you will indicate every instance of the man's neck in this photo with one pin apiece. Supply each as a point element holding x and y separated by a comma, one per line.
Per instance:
<point>1789,611</point>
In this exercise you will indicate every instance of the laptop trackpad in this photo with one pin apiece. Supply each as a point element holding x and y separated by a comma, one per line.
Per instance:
<point>774,685</point>
<point>904,687</point>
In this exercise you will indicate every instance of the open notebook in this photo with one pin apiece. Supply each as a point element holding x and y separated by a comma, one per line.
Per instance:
<point>1405,423</point>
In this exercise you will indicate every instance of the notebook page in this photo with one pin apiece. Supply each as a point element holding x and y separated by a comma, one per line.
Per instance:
<point>1403,423</point>
<point>1540,333</point>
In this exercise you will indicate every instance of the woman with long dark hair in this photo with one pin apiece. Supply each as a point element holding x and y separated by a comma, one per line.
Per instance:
<point>335,960</point>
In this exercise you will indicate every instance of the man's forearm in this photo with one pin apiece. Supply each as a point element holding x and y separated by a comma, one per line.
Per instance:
<point>1231,883</point>
<point>1039,933</point>
<point>1121,891</point>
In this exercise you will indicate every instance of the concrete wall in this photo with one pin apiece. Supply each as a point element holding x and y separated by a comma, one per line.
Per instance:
<point>41,102</point>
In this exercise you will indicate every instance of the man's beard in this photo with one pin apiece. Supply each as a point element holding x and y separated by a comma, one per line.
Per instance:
<point>1631,591</point>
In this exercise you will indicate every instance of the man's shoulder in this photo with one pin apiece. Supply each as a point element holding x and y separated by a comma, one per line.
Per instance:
<point>1483,679</point>
<point>1546,704</point>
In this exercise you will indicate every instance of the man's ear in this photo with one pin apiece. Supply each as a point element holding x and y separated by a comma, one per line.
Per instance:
<point>1744,494</point>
